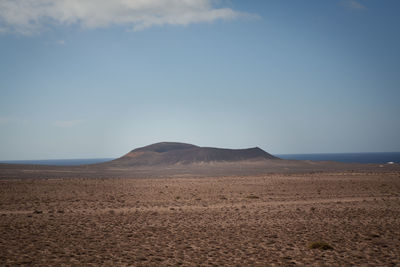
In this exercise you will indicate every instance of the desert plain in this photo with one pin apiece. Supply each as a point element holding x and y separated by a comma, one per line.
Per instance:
<point>323,218</point>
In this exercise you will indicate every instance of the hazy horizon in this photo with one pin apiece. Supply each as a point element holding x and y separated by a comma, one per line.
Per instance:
<point>284,155</point>
<point>96,79</point>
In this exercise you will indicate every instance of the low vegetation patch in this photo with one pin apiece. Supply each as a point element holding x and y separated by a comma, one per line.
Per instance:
<point>320,245</point>
<point>253,196</point>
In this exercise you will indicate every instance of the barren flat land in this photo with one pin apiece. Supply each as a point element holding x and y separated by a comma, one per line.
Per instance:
<point>307,218</point>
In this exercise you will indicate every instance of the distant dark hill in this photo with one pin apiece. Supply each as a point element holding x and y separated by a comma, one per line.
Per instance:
<point>169,153</point>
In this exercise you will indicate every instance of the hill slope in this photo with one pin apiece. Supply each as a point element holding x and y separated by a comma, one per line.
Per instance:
<point>169,153</point>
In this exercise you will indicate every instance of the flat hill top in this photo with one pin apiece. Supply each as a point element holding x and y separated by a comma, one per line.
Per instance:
<point>165,147</point>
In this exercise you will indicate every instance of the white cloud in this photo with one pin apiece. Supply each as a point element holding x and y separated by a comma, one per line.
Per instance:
<point>32,16</point>
<point>352,4</point>
<point>66,124</point>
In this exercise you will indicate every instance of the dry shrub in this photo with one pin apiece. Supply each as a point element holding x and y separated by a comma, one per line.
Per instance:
<point>320,245</point>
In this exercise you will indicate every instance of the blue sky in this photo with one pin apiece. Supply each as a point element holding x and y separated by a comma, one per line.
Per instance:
<point>85,79</point>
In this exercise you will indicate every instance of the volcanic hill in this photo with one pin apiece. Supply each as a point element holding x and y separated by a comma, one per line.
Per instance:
<point>172,153</point>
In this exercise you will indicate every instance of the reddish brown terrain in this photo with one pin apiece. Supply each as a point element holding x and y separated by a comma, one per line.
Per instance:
<point>252,212</point>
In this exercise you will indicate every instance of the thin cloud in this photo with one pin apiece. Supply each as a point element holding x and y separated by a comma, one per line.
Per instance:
<point>352,4</point>
<point>35,16</point>
<point>61,42</point>
<point>12,120</point>
<point>67,124</point>
<point>4,120</point>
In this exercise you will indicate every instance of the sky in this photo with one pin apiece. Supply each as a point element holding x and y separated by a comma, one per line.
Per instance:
<point>98,78</point>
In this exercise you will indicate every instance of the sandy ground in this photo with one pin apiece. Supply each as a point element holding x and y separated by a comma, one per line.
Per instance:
<point>259,220</point>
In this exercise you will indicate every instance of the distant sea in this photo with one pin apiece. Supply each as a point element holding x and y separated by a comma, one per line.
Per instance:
<point>379,158</point>
<point>60,162</point>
